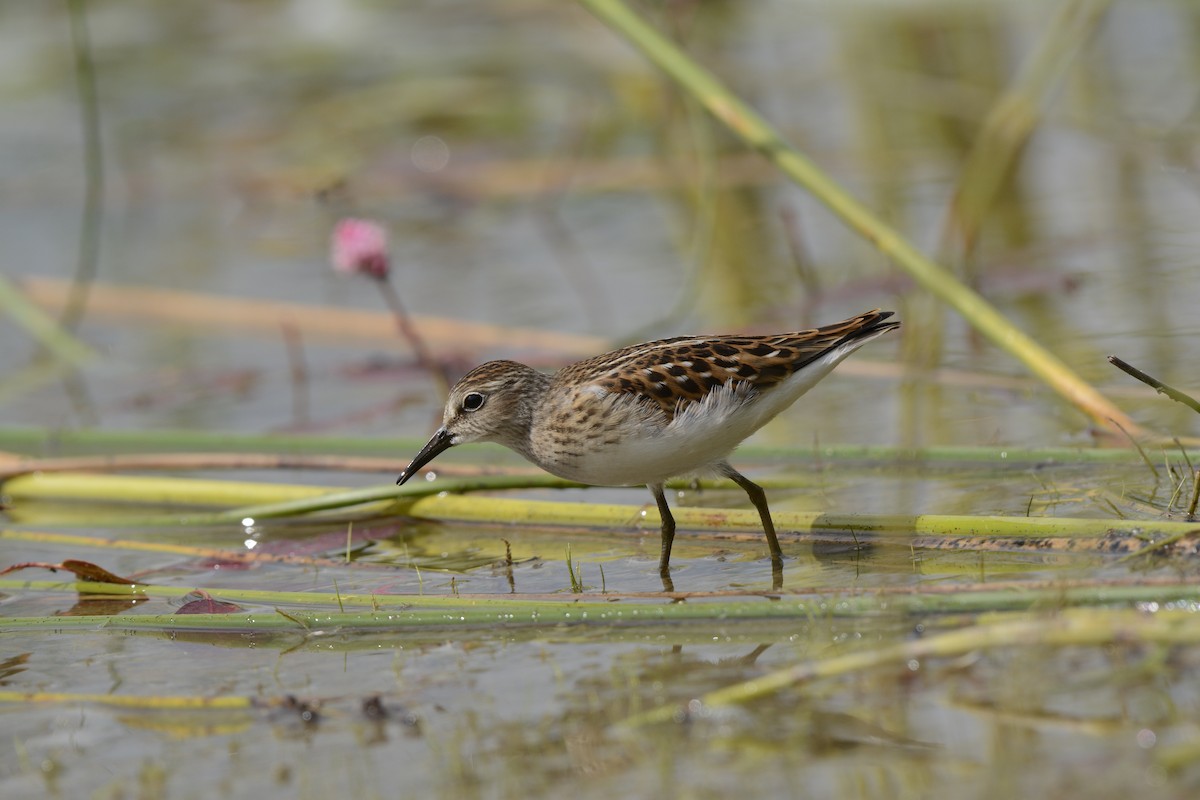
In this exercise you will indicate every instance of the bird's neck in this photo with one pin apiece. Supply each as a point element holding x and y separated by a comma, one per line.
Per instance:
<point>531,387</point>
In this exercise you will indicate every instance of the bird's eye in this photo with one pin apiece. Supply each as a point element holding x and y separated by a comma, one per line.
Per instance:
<point>472,401</point>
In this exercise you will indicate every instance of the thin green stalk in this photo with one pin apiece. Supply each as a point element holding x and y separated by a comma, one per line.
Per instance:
<point>93,166</point>
<point>249,500</point>
<point>1141,451</point>
<point>444,500</point>
<point>1015,115</point>
<point>315,609</point>
<point>57,441</point>
<point>757,133</point>
<point>375,494</point>
<point>30,377</point>
<point>1191,512</point>
<point>576,577</point>
<point>175,462</point>
<point>307,601</point>
<point>41,327</point>
<point>85,440</point>
<point>140,702</point>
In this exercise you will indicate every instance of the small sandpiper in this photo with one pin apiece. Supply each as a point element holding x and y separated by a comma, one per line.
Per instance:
<point>649,412</point>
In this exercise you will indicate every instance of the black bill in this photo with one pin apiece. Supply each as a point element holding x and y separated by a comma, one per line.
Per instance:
<point>437,443</point>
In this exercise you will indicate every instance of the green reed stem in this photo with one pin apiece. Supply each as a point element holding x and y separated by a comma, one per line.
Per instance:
<point>1015,115</point>
<point>758,134</point>
<point>30,377</point>
<point>41,327</point>
<point>312,611</point>
<point>53,441</point>
<point>50,441</point>
<point>444,499</point>
<point>171,703</point>
<point>93,167</point>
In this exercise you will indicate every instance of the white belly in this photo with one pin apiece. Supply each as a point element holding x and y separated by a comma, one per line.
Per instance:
<point>632,444</point>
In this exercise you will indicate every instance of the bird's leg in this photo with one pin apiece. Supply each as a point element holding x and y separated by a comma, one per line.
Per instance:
<point>668,528</point>
<point>759,498</point>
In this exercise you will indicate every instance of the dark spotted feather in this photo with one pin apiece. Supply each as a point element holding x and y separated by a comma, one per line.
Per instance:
<point>684,369</point>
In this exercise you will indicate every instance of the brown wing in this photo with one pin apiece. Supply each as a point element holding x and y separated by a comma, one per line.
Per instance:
<point>684,369</point>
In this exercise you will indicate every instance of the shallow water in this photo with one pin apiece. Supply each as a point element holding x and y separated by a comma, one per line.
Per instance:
<point>567,188</point>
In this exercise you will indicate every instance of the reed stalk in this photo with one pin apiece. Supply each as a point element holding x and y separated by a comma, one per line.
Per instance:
<point>44,330</point>
<point>134,304</point>
<point>312,611</point>
<point>444,500</point>
<point>1015,115</point>
<point>139,702</point>
<point>758,134</point>
<point>81,441</point>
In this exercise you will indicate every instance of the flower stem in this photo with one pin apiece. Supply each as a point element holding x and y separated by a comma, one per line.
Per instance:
<point>425,358</point>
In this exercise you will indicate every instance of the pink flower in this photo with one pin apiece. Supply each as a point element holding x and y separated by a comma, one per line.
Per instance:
<point>359,246</point>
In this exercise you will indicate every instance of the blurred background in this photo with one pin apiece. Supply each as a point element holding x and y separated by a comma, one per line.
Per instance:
<point>548,194</point>
<point>535,172</point>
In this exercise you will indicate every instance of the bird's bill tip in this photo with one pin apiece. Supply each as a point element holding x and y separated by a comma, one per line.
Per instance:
<point>441,440</point>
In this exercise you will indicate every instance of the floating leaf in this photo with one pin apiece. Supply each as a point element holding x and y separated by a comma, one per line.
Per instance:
<point>205,603</point>
<point>83,571</point>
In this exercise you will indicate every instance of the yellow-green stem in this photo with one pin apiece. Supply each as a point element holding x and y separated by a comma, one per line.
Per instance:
<point>757,133</point>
